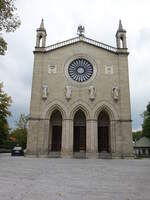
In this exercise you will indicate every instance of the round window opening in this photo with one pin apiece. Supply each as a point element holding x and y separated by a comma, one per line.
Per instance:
<point>80,70</point>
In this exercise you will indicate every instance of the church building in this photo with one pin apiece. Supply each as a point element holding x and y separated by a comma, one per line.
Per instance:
<point>80,101</point>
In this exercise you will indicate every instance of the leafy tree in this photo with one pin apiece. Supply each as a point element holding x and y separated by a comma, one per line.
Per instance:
<point>137,135</point>
<point>9,21</point>
<point>146,122</point>
<point>20,133</point>
<point>5,102</point>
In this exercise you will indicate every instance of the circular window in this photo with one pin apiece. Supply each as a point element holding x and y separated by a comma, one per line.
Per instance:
<point>80,70</point>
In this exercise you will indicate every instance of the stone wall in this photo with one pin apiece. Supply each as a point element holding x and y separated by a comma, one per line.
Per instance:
<point>50,71</point>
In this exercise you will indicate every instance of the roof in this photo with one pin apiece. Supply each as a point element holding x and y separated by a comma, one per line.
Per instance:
<point>79,39</point>
<point>143,142</point>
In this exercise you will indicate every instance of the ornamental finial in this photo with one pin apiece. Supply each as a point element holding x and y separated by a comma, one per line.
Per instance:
<point>42,24</point>
<point>80,30</point>
<point>120,28</point>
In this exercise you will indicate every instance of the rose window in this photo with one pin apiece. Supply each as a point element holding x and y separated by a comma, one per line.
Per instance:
<point>80,70</point>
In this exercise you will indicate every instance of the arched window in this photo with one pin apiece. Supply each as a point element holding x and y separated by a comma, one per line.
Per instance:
<point>40,40</point>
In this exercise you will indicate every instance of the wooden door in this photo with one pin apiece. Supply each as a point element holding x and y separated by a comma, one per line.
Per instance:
<point>56,138</point>
<point>82,138</point>
<point>79,138</point>
<point>103,140</point>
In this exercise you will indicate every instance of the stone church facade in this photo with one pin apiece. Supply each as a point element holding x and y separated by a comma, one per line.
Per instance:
<point>80,101</point>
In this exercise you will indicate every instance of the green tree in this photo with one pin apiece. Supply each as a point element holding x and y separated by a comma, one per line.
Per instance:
<point>20,133</point>
<point>137,135</point>
<point>146,122</point>
<point>9,21</point>
<point>5,102</point>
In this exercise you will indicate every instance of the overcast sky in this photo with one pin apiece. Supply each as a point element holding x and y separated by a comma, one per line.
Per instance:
<point>61,18</point>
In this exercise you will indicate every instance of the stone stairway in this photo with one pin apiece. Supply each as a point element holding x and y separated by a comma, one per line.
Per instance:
<point>79,155</point>
<point>54,155</point>
<point>105,155</point>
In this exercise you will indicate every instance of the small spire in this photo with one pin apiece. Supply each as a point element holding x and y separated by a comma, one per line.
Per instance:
<point>120,28</point>
<point>42,24</point>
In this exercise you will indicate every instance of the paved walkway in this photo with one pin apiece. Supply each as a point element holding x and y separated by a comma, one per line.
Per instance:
<point>73,179</point>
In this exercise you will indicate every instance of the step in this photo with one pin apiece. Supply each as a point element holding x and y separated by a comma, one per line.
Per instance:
<point>54,155</point>
<point>105,155</point>
<point>79,155</point>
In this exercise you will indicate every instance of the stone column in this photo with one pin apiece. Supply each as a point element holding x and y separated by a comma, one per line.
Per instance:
<point>112,138</point>
<point>67,137</point>
<point>127,145</point>
<point>43,135</point>
<point>91,138</point>
<point>46,137</point>
<point>116,139</point>
<point>95,135</point>
<point>32,138</point>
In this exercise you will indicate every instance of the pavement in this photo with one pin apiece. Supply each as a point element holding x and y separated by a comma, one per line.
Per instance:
<point>24,178</point>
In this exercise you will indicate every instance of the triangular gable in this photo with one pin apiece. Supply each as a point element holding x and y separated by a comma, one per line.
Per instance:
<point>75,40</point>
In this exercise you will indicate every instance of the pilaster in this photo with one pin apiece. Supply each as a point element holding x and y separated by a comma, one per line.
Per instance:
<point>91,137</point>
<point>67,137</point>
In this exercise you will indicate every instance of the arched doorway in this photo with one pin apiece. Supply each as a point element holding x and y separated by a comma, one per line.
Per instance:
<point>79,132</point>
<point>103,132</point>
<point>56,131</point>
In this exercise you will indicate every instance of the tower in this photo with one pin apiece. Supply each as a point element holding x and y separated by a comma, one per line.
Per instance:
<point>41,35</point>
<point>121,37</point>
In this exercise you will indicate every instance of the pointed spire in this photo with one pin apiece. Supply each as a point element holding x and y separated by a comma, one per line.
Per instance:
<point>121,37</point>
<point>42,24</point>
<point>120,28</point>
<point>41,35</point>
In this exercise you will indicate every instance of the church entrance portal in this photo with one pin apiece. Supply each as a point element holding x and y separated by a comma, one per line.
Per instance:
<point>56,131</point>
<point>79,135</point>
<point>103,132</point>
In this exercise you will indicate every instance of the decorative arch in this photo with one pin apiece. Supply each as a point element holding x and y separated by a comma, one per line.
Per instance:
<point>41,39</point>
<point>113,114</point>
<point>79,131</point>
<point>105,130</point>
<point>55,136</point>
<point>103,126</point>
<point>80,106</point>
<point>55,105</point>
<point>122,40</point>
